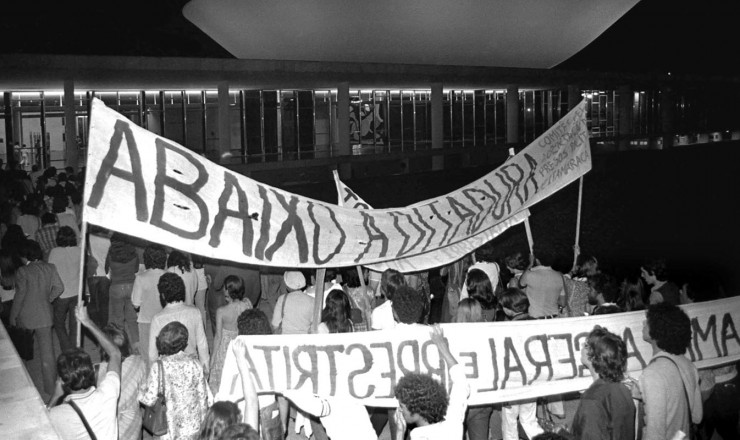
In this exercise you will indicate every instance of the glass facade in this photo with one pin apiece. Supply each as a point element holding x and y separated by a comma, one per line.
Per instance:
<point>286,125</point>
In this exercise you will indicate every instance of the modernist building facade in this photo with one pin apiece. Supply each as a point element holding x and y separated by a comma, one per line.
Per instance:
<point>256,115</point>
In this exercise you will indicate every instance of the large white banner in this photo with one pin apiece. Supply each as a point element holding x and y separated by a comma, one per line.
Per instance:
<point>145,185</point>
<point>441,256</point>
<point>503,361</point>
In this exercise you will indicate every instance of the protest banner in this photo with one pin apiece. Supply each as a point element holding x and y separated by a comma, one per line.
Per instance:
<point>504,362</point>
<point>443,255</point>
<point>145,185</point>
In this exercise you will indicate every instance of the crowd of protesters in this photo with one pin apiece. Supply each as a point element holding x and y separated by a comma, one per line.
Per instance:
<point>164,320</point>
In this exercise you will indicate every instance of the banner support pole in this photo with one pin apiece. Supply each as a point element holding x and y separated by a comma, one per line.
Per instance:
<point>82,280</point>
<point>577,246</point>
<point>318,301</point>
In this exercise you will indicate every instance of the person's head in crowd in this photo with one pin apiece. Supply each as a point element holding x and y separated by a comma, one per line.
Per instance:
<point>75,369</point>
<point>516,262</point>
<point>48,218</point>
<point>605,354</point>
<point>667,328</point>
<point>421,399</point>
<point>50,172</point>
<point>119,336</point>
<point>74,196</point>
<point>14,238</point>
<point>172,339</point>
<point>469,310</point>
<point>220,416</point>
<point>294,280</point>
<point>480,288</point>
<point>337,312</point>
<point>62,178</point>
<point>604,289</point>
<point>351,278</point>
<point>632,294</point>
<point>253,322</point>
<point>69,170</point>
<point>30,206</point>
<point>155,257</point>
<point>586,266</point>
<point>514,302</point>
<point>121,250</point>
<point>655,271</point>
<point>240,431</point>
<point>171,288</point>
<point>198,260</point>
<point>30,250</point>
<point>233,288</point>
<point>66,237</point>
<point>180,260</point>
<point>60,203</point>
<point>390,281</point>
<point>408,305</point>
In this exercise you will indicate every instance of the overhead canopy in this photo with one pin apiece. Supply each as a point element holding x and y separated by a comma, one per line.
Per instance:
<point>496,33</point>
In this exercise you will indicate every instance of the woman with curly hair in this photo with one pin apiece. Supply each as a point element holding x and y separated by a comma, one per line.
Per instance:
<point>122,263</point>
<point>335,318</point>
<point>226,326</point>
<point>66,258</point>
<point>606,410</point>
<point>186,393</point>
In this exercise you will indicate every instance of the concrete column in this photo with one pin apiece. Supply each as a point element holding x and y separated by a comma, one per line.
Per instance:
<point>512,114</point>
<point>9,135</point>
<point>574,96</point>
<point>224,129</point>
<point>71,152</point>
<point>438,162</point>
<point>626,101</point>
<point>667,115</point>
<point>342,147</point>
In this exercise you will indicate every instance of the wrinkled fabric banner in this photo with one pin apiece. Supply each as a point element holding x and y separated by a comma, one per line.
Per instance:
<point>145,185</point>
<point>442,256</point>
<point>503,362</point>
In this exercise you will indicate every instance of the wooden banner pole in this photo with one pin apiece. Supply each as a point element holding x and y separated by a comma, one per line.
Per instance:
<point>82,279</point>
<point>577,245</point>
<point>318,302</point>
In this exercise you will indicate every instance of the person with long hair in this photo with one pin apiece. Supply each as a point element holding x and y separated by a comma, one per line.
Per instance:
<point>481,287</point>
<point>133,374</point>
<point>361,298</point>
<point>477,418</point>
<point>335,318</point>
<point>226,326</point>
<point>179,263</point>
<point>515,304</point>
<point>66,258</point>
<point>220,416</point>
<point>577,287</point>
<point>186,393</point>
<point>122,263</point>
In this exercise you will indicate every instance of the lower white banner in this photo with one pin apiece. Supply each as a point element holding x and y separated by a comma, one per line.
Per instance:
<point>504,362</point>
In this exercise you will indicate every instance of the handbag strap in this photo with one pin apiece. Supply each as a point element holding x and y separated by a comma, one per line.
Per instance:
<point>84,420</point>
<point>161,378</point>
<point>685,389</point>
<point>282,309</point>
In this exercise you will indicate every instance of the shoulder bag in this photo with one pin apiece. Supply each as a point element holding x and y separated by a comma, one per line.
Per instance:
<point>155,416</point>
